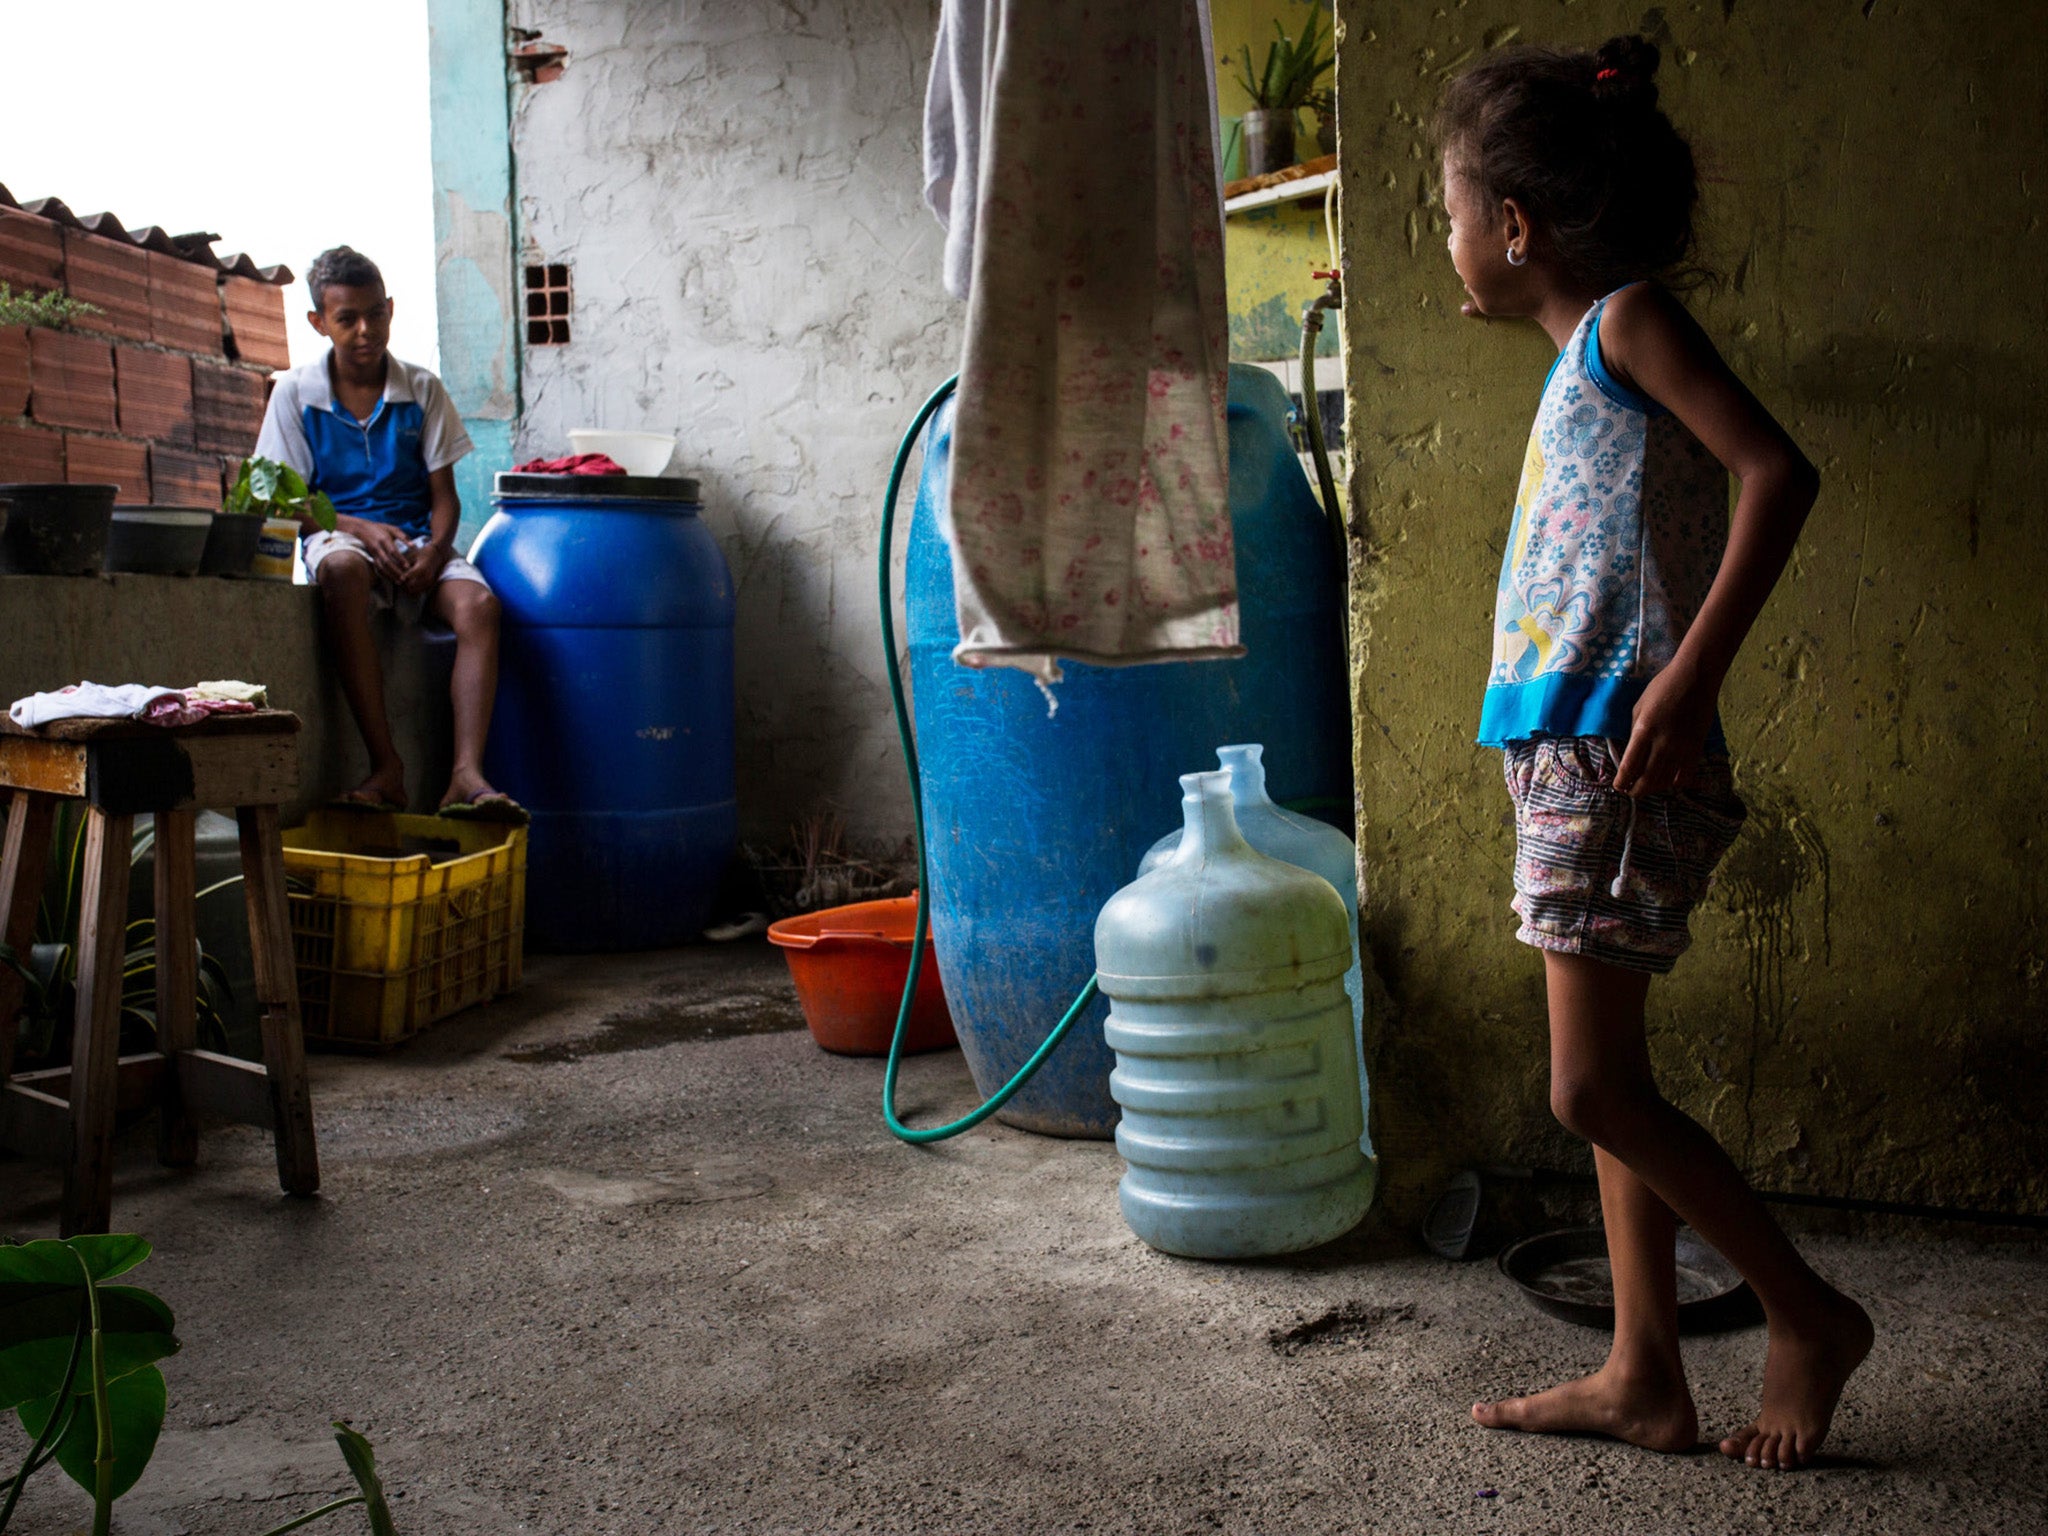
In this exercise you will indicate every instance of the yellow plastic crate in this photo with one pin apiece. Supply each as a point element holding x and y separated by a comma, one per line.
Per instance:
<point>398,921</point>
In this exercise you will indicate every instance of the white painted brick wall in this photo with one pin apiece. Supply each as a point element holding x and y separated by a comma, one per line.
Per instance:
<point>738,189</point>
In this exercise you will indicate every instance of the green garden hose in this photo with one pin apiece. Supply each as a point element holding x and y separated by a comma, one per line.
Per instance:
<point>918,947</point>
<point>1312,321</point>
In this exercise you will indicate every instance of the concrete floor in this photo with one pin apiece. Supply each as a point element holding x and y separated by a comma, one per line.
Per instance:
<point>626,1253</point>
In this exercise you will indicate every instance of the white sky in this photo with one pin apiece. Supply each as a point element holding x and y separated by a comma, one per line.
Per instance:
<point>287,125</point>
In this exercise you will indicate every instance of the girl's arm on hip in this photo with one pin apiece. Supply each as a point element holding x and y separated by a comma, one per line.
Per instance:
<point>1650,342</point>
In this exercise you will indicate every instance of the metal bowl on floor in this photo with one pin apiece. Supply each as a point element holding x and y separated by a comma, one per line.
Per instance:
<point>1567,1275</point>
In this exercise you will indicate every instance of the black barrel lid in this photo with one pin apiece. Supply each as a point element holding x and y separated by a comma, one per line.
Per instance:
<point>595,487</point>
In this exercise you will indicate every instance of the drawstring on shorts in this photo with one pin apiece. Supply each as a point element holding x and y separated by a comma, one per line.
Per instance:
<point>1628,841</point>
<point>1628,848</point>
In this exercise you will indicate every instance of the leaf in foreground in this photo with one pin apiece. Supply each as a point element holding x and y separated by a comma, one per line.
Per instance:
<point>362,1466</point>
<point>137,1402</point>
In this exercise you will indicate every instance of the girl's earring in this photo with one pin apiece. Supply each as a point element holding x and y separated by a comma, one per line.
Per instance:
<point>1516,258</point>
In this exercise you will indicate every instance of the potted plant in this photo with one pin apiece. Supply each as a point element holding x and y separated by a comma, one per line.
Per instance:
<point>49,971</point>
<point>260,520</point>
<point>1293,71</point>
<point>52,529</point>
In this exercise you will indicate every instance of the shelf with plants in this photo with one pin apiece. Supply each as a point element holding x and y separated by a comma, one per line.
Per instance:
<point>1298,189</point>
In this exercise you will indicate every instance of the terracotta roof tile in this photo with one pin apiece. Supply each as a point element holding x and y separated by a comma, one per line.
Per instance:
<point>196,247</point>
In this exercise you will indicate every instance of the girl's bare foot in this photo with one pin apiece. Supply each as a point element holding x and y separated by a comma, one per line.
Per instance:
<point>1652,1410</point>
<point>1803,1379</point>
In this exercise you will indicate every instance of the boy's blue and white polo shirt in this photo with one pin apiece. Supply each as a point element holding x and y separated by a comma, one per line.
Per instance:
<point>375,469</point>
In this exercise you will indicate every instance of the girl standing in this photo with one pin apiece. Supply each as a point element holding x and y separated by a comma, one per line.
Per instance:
<point>1625,593</point>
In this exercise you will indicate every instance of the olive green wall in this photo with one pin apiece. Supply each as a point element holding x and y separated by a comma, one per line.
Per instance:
<point>1269,252</point>
<point>1862,1012</point>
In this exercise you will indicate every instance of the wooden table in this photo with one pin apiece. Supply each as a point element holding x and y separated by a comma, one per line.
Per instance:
<point>120,768</point>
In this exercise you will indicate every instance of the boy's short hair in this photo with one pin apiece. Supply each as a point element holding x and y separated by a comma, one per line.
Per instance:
<point>342,267</point>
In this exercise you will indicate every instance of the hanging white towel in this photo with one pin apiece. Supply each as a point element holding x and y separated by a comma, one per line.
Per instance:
<point>952,134</point>
<point>1072,149</point>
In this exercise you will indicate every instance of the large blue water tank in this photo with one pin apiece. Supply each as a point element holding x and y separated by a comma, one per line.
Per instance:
<point>614,721</point>
<point>1034,820</point>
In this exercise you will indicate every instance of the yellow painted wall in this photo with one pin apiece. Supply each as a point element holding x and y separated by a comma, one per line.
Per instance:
<point>1269,252</point>
<point>1863,1012</point>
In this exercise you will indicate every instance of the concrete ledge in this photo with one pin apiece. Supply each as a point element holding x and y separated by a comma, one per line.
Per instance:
<point>175,631</point>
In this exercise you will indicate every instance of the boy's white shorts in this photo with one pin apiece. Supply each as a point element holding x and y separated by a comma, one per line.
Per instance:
<point>384,593</point>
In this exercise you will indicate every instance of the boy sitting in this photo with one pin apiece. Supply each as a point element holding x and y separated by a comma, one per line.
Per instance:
<point>381,438</point>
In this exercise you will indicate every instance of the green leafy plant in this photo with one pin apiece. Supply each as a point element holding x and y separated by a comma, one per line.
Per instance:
<point>49,971</point>
<point>266,488</point>
<point>77,1364</point>
<point>1294,66</point>
<point>78,1367</point>
<point>52,311</point>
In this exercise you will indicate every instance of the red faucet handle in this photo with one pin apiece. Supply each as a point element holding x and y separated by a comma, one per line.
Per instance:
<point>1324,276</point>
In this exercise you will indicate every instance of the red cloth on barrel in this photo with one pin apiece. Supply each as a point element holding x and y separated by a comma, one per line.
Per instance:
<point>573,464</point>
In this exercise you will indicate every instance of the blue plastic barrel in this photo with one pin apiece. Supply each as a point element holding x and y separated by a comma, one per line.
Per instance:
<point>614,720</point>
<point>1033,821</point>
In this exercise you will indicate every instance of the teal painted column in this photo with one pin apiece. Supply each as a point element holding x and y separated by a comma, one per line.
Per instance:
<point>475,274</point>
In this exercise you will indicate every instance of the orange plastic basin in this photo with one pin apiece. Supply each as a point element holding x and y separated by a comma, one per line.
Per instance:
<point>849,965</point>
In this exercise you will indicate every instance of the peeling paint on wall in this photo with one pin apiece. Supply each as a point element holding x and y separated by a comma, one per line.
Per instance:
<point>739,189</point>
<point>473,242</point>
<point>1862,1011</point>
<point>473,279</point>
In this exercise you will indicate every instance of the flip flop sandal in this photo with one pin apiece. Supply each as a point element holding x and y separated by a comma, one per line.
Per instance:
<point>358,803</point>
<point>499,809</point>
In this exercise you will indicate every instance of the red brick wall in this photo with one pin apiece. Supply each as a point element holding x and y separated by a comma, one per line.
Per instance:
<point>161,393</point>
<point>31,454</point>
<point>13,372</point>
<point>71,381</point>
<point>31,252</point>
<point>256,322</point>
<point>154,393</point>
<point>184,306</point>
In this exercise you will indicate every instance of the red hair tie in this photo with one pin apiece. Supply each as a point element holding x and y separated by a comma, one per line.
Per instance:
<point>1607,74</point>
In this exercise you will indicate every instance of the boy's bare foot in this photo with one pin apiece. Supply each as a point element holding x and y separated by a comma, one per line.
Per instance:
<point>384,787</point>
<point>1803,1379</point>
<point>1655,1412</point>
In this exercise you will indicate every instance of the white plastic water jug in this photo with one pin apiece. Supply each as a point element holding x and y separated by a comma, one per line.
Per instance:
<point>1309,844</point>
<point>1235,1068</point>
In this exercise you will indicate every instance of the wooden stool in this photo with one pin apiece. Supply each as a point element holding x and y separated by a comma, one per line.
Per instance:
<point>120,768</point>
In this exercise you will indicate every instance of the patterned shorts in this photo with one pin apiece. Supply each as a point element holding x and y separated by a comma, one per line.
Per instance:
<point>1600,874</point>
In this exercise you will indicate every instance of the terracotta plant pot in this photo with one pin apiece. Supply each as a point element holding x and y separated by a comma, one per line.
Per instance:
<point>1268,141</point>
<point>56,530</point>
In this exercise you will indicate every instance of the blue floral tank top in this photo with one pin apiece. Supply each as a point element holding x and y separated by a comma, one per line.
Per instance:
<point>1619,527</point>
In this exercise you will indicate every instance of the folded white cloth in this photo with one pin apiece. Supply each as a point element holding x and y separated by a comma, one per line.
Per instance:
<point>230,688</point>
<point>1073,150</point>
<point>87,701</point>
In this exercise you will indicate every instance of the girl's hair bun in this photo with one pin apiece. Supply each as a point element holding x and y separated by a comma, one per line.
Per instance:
<point>1625,71</point>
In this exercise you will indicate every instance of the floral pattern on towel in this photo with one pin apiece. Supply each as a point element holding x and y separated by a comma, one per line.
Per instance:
<point>1090,503</point>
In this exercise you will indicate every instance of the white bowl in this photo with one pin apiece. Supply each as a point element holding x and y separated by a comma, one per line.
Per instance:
<point>638,453</point>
